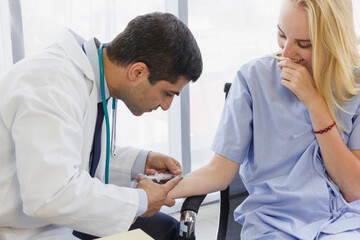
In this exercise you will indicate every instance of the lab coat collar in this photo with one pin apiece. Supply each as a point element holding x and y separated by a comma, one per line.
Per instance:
<point>70,42</point>
<point>93,55</point>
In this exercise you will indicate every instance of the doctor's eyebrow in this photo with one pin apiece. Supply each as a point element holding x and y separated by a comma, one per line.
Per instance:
<point>299,40</point>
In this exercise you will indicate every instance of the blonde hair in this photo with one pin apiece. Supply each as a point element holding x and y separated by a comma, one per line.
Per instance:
<point>335,54</point>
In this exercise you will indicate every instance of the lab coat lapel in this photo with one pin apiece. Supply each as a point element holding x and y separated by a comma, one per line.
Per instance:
<point>68,42</point>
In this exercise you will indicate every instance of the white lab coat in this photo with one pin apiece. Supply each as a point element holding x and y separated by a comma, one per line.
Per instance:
<point>48,108</point>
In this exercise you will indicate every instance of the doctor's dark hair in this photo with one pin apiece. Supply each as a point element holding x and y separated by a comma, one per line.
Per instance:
<point>163,43</point>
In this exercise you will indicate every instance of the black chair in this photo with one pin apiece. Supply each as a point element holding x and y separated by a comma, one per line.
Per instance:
<point>188,215</point>
<point>230,198</point>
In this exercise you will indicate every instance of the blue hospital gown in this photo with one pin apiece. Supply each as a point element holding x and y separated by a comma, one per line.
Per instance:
<point>267,130</point>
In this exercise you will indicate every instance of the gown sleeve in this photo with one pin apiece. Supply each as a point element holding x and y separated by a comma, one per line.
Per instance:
<point>234,132</point>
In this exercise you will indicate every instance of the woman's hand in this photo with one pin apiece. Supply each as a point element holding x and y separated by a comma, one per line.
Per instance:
<point>298,80</point>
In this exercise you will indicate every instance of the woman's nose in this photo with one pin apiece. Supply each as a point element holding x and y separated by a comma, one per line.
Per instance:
<point>289,51</point>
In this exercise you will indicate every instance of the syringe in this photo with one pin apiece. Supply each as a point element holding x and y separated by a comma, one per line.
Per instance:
<point>162,176</point>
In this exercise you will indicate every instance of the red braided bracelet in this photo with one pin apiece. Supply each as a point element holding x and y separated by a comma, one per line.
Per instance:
<point>325,129</point>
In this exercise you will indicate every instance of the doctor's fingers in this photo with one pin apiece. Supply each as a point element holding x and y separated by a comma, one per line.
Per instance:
<point>169,202</point>
<point>169,185</point>
<point>150,171</point>
<point>173,166</point>
<point>156,195</point>
<point>140,178</point>
<point>162,162</point>
<point>144,182</point>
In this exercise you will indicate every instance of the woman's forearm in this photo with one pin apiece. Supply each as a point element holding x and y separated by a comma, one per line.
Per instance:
<point>215,176</point>
<point>342,164</point>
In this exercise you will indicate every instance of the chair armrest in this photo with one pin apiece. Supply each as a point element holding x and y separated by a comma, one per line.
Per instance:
<point>188,212</point>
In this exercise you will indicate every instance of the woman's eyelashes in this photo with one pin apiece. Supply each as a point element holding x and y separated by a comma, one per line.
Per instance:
<point>301,43</point>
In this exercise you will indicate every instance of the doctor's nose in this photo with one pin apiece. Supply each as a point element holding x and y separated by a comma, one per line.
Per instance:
<point>165,105</point>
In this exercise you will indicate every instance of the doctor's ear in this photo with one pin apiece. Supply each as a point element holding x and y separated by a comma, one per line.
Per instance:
<point>137,71</point>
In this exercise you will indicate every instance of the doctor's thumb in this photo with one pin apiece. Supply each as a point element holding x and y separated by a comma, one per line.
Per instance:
<point>169,185</point>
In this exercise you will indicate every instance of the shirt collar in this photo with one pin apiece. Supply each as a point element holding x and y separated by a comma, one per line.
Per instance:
<point>92,53</point>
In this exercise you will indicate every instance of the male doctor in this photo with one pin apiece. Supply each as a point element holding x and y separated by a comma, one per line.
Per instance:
<point>51,176</point>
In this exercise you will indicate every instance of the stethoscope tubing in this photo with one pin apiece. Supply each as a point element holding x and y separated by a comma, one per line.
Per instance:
<point>113,129</point>
<point>106,114</point>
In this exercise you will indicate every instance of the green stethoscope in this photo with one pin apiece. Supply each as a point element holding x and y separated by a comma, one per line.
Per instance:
<point>110,145</point>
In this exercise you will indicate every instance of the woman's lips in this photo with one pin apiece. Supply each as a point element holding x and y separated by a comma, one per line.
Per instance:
<point>279,57</point>
<point>299,61</point>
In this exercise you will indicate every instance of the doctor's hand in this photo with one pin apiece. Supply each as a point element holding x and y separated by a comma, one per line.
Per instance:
<point>157,194</point>
<point>158,162</point>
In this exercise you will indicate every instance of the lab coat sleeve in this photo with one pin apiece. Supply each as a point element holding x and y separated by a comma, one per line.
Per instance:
<point>124,167</point>
<point>122,164</point>
<point>45,115</point>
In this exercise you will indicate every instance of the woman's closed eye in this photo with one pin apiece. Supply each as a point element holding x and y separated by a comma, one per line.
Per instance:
<point>304,44</point>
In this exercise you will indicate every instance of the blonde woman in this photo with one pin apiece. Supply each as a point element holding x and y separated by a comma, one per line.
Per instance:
<point>293,129</point>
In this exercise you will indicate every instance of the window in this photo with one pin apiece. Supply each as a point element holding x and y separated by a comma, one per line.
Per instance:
<point>229,35</point>
<point>6,58</point>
